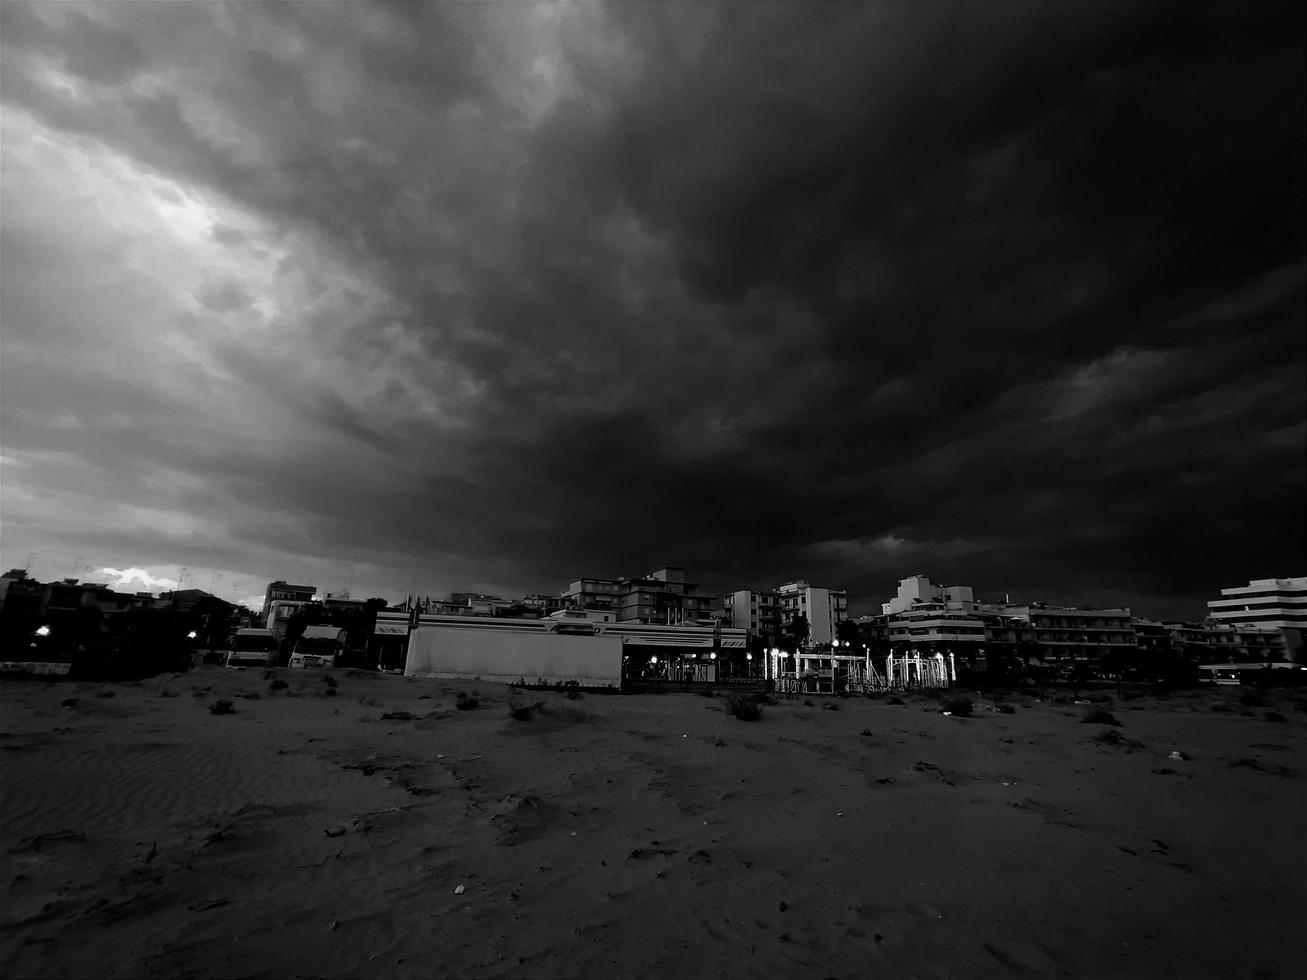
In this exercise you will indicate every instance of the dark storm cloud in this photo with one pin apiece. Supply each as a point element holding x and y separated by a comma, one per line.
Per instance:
<point>1005,294</point>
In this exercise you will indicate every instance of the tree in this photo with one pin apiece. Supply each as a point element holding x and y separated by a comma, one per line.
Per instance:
<point>797,630</point>
<point>848,633</point>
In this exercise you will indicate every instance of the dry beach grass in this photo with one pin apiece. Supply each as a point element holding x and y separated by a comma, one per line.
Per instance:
<point>377,829</point>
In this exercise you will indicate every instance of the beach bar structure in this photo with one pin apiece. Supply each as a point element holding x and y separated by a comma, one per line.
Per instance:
<point>830,672</point>
<point>556,650</point>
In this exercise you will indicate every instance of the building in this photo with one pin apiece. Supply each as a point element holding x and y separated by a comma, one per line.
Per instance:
<point>758,612</point>
<point>342,601</point>
<point>917,589</point>
<point>823,608</point>
<point>542,604</point>
<point>280,590</point>
<point>1280,602</point>
<point>661,597</point>
<point>1213,642</point>
<point>1153,636</point>
<point>484,644</point>
<point>1069,635</point>
<point>1268,603</point>
<point>936,624</point>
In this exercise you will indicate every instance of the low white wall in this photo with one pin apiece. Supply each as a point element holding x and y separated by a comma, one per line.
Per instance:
<point>536,657</point>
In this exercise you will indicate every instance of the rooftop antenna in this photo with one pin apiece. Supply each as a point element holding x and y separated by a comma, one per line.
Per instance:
<point>30,558</point>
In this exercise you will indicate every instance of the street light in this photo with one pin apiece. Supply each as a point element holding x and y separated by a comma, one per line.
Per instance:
<point>43,631</point>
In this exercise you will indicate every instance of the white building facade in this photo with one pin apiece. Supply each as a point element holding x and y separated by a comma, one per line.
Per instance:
<point>1280,602</point>
<point>823,608</point>
<point>917,589</point>
<point>759,612</point>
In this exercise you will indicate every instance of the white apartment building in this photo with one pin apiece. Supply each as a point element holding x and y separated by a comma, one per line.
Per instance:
<point>918,589</point>
<point>1263,602</point>
<point>759,612</point>
<point>823,608</point>
<point>936,622</point>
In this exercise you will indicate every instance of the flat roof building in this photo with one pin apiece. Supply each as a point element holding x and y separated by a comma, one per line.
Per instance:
<point>280,590</point>
<point>1278,602</point>
<point>661,597</point>
<point>823,608</point>
<point>917,589</point>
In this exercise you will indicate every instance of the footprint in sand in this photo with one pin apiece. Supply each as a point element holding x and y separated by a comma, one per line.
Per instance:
<point>1022,958</point>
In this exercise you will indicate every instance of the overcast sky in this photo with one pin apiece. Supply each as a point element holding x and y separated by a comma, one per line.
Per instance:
<point>490,297</point>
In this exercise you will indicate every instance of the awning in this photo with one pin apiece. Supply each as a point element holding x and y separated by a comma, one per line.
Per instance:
<point>391,629</point>
<point>680,642</point>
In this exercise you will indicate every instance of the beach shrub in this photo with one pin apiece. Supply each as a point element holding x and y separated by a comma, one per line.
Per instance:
<point>520,709</point>
<point>894,699</point>
<point>958,707</point>
<point>572,690</point>
<point>1252,699</point>
<point>1005,709</point>
<point>763,697</point>
<point>830,706</point>
<point>1097,716</point>
<point>465,703</point>
<point>744,707</point>
<point>278,685</point>
<point>329,680</point>
<point>222,707</point>
<point>1115,739</point>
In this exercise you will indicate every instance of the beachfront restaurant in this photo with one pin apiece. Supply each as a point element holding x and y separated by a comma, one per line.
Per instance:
<point>694,654</point>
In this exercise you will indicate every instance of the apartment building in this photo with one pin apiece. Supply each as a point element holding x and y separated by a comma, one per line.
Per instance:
<point>280,591</point>
<point>661,597</point>
<point>1276,602</point>
<point>936,622</point>
<point>1216,642</point>
<point>1070,633</point>
<point>823,608</point>
<point>917,589</point>
<point>757,611</point>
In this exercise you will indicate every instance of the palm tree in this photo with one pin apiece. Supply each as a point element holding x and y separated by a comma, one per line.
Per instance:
<point>797,629</point>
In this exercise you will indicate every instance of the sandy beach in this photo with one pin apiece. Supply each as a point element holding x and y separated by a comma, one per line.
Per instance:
<point>382,831</point>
